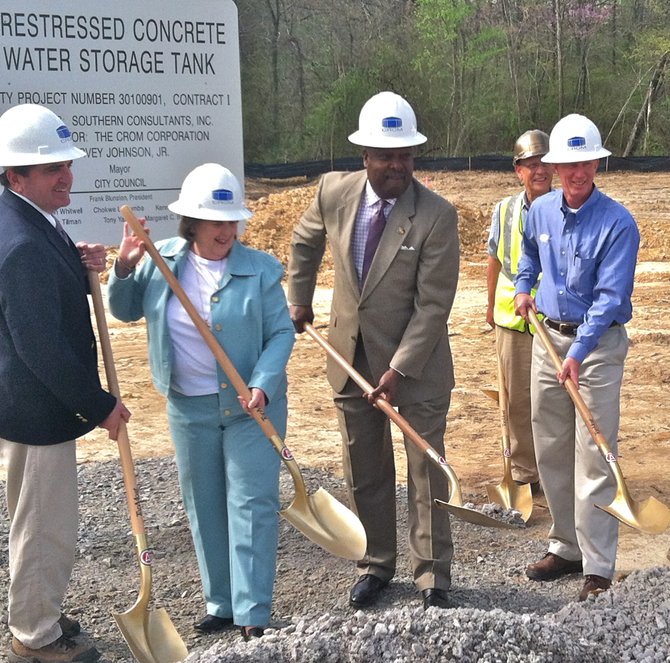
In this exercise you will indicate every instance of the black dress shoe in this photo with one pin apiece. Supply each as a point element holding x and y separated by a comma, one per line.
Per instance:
<point>366,591</point>
<point>249,632</point>
<point>213,624</point>
<point>435,598</point>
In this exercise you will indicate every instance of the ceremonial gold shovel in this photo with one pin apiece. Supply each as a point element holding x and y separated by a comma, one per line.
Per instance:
<point>507,492</point>
<point>149,634</point>
<point>320,517</point>
<point>651,515</point>
<point>455,503</point>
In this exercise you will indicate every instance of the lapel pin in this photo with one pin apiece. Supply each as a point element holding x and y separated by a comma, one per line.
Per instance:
<point>401,231</point>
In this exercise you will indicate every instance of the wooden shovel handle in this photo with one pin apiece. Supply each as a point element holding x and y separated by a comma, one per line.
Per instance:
<point>382,404</point>
<point>206,333</point>
<point>503,411</point>
<point>572,389</point>
<point>127,466</point>
<point>390,412</point>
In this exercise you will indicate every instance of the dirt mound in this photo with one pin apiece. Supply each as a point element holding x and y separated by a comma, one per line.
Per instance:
<point>278,209</point>
<point>276,214</point>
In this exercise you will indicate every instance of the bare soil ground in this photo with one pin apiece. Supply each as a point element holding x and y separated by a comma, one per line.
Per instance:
<point>473,433</point>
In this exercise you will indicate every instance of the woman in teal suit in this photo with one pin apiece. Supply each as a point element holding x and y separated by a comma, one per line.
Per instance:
<point>228,471</point>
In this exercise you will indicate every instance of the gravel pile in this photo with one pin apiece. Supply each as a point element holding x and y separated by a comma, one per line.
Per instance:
<point>628,624</point>
<point>498,615</point>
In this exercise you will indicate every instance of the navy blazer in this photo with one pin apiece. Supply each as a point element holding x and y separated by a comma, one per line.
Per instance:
<point>50,390</point>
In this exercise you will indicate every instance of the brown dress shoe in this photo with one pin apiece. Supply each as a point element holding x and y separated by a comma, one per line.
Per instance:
<point>552,566</point>
<point>63,650</point>
<point>594,585</point>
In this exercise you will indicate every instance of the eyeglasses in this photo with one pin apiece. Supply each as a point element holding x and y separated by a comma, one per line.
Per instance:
<point>533,165</point>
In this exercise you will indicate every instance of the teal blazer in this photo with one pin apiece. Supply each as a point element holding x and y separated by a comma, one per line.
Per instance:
<point>250,319</point>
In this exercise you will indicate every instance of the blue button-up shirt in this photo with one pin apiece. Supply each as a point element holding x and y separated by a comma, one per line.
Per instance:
<point>587,260</point>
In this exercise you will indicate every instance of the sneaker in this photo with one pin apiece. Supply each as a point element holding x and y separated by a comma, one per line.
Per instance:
<point>63,650</point>
<point>594,585</point>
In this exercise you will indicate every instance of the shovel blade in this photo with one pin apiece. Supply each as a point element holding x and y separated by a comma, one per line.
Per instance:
<point>492,394</point>
<point>473,516</point>
<point>512,496</point>
<point>650,516</point>
<point>328,523</point>
<point>151,636</point>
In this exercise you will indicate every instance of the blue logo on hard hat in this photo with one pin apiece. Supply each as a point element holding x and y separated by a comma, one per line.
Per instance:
<point>576,142</point>
<point>392,123</point>
<point>63,132</point>
<point>222,195</point>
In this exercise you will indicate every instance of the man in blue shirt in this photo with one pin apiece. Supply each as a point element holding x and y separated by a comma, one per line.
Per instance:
<point>585,245</point>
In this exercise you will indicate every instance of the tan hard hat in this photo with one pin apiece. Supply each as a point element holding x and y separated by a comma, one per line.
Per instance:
<point>531,143</point>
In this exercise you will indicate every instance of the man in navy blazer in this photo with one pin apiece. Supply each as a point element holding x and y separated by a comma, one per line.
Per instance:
<point>50,391</point>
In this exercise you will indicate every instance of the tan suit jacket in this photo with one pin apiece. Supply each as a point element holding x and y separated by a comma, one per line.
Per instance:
<point>402,310</point>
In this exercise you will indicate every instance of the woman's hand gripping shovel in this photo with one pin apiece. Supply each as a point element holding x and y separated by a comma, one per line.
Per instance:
<point>507,493</point>
<point>651,515</point>
<point>150,634</point>
<point>320,517</point>
<point>455,503</point>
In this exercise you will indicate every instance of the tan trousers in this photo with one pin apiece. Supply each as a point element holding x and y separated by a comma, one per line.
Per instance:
<point>369,470</point>
<point>43,513</point>
<point>515,350</point>
<point>573,472</point>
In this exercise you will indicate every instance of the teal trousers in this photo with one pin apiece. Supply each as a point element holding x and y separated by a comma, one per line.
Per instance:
<point>229,480</point>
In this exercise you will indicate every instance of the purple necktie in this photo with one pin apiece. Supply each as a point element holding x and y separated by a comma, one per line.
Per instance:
<point>377,225</point>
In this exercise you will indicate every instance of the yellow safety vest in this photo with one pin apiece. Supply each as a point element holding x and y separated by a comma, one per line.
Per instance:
<point>509,251</point>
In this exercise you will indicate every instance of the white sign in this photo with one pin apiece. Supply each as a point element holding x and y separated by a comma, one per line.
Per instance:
<point>149,90</point>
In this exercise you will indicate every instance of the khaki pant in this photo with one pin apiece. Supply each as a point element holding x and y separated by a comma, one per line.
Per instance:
<point>515,350</point>
<point>573,472</point>
<point>369,470</point>
<point>43,513</point>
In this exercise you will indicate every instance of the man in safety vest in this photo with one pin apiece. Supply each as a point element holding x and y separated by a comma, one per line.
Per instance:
<point>513,338</point>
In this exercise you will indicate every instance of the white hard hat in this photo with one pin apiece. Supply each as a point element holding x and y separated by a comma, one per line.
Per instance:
<point>212,193</point>
<point>575,138</point>
<point>31,134</point>
<point>387,120</point>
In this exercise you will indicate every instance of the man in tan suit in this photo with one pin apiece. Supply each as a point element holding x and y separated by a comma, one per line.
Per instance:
<point>388,319</point>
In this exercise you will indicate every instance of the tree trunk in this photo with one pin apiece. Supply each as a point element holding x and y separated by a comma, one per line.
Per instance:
<point>512,50</point>
<point>642,120</point>
<point>275,13</point>
<point>559,55</point>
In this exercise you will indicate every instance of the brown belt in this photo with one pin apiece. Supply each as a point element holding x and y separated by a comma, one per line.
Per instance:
<point>567,328</point>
